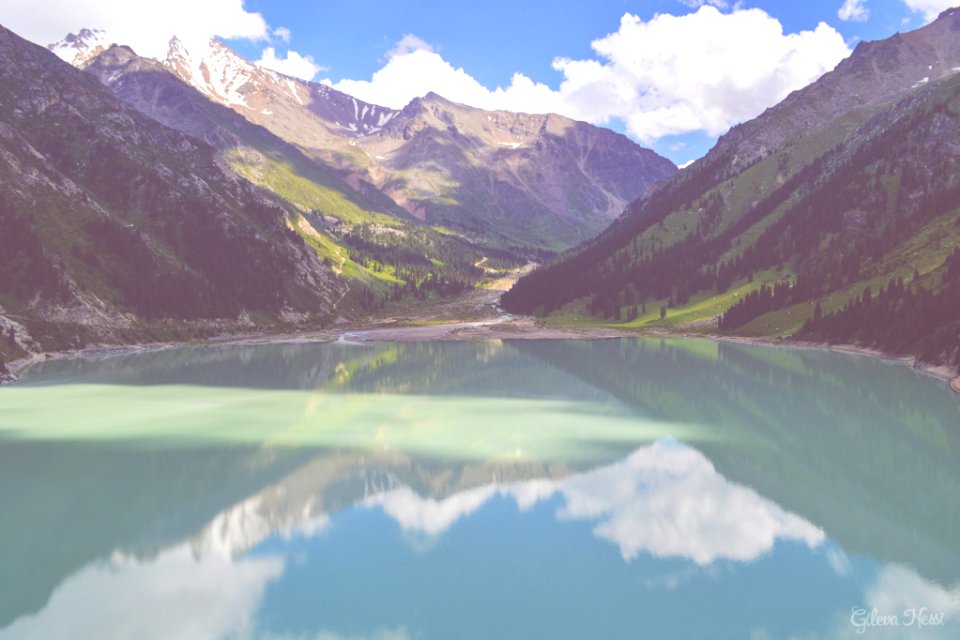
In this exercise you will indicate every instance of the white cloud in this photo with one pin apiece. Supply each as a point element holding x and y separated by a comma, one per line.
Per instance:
<point>665,499</point>
<point>410,75</point>
<point>854,10</point>
<point>145,26</point>
<point>668,500</point>
<point>175,595</point>
<point>902,595</point>
<point>704,71</point>
<point>929,8</point>
<point>408,44</point>
<point>696,4</point>
<point>296,65</point>
<point>283,33</point>
<point>426,515</point>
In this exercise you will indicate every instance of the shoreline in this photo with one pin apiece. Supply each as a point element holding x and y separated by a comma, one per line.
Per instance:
<point>501,328</point>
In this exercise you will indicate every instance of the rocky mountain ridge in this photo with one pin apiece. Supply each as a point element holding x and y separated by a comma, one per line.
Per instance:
<point>503,179</point>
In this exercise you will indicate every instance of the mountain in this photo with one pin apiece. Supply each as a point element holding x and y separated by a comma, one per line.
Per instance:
<point>506,180</point>
<point>526,179</point>
<point>155,91</point>
<point>81,47</point>
<point>847,186</point>
<point>114,225</point>
<point>377,248</point>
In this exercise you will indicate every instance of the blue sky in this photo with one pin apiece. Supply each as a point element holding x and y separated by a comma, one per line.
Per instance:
<point>495,39</point>
<point>672,74</point>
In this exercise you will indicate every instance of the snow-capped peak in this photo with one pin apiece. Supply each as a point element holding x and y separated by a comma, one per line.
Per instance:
<point>212,68</point>
<point>225,77</point>
<point>81,47</point>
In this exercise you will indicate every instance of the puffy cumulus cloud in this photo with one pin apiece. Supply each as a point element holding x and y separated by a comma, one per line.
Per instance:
<point>930,9</point>
<point>854,10</point>
<point>145,26</point>
<point>413,74</point>
<point>408,44</point>
<point>665,499</point>
<point>294,64</point>
<point>668,500</point>
<point>921,609</point>
<point>175,595</point>
<point>703,71</point>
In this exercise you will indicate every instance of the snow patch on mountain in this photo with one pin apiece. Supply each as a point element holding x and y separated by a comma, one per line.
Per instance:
<point>216,71</point>
<point>228,79</point>
<point>79,48</point>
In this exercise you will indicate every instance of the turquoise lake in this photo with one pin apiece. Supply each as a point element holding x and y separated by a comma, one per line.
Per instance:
<point>605,489</point>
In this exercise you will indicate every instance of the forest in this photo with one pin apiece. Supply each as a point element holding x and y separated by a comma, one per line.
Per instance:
<point>840,219</point>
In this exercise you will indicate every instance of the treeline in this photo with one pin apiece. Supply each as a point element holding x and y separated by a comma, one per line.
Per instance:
<point>899,319</point>
<point>760,301</point>
<point>427,261</point>
<point>832,223</point>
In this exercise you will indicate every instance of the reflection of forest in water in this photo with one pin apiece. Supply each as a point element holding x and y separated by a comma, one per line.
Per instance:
<point>863,449</point>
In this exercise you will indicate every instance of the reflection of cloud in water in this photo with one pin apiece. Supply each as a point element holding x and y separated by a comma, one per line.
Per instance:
<point>175,595</point>
<point>896,591</point>
<point>668,500</point>
<point>380,634</point>
<point>665,499</point>
<point>427,515</point>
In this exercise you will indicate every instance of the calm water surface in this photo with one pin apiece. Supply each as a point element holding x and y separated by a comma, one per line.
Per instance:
<point>533,489</point>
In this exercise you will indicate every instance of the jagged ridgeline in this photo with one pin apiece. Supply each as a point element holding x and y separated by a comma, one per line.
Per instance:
<point>396,202</point>
<point>848,185</point>
<point>372,243</point>
<point>106,212</point>
<point>524,183</point>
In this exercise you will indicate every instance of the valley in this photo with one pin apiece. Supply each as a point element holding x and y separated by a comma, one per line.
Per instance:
<point>830,207</point>
<point>395,321</point>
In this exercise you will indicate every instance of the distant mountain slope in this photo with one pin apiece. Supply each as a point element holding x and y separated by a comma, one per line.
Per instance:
<point>517,178</point>
<point>373,243</point>
<point>849,183</point>
<point>154,90</point>
<point>109,219</point>
<point>507,180</point>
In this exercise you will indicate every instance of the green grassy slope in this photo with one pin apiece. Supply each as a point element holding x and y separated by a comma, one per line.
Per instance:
<point>852,203</point>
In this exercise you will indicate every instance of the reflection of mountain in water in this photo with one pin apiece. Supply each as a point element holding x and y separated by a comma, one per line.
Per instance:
<point>665,500</point>
<point>77,502</point>
<point>802,440</point>
<point>866,449</point>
